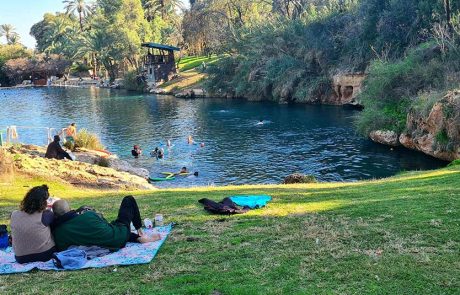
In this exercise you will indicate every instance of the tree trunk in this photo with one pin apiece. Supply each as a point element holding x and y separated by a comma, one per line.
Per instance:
<point>448,10</point>
<point>81,21</point>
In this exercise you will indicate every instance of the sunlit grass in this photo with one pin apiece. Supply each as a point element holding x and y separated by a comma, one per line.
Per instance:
<point>377,236</point>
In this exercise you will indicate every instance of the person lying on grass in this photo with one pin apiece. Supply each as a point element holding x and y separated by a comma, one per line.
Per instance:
<point>90,229</point>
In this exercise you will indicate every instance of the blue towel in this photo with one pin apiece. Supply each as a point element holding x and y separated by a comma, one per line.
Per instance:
<point>70,259</point>
<point>251,201</point>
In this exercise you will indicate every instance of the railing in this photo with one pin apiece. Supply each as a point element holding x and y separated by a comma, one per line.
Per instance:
<point>15,134</point>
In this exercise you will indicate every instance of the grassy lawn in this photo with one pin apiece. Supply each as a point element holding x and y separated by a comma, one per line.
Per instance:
<point>189,74</point>
<point>191,62</point>
<point>399,235</point>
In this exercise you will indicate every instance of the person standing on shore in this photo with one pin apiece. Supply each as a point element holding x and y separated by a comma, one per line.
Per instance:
<point>71,133</point>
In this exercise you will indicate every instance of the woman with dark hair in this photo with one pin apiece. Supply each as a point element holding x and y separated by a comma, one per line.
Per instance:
<point>30,227</point>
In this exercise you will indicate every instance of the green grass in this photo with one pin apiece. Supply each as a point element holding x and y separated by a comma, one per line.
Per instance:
<point>191,62</point>
<point>399,235</point>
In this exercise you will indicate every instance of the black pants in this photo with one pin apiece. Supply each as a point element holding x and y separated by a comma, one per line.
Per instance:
<point>129,212</point>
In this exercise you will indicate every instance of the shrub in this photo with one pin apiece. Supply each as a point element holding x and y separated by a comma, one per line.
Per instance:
<point>134,82</point>
<point>299,178</point>
<point>86,139</point>
<point>103,162</point>
<point>392,88</point>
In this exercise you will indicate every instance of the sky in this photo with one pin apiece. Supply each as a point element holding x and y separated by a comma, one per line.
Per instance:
<point>23,14</point>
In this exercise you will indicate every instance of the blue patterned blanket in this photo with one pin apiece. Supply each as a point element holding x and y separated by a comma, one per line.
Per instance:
<point>133,253</point>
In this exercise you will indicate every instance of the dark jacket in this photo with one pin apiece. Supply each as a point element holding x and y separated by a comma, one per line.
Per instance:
<point>55,151</point>
<point>88,229</point>
<point>226,206</point>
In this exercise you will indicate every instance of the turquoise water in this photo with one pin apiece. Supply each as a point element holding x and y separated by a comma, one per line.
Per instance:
<point>311,139</point>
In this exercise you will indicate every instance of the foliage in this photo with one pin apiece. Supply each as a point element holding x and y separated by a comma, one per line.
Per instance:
<point>356,238</point>
<point>103,162</point>
<point>299,178</point>
<point>134,82</point>
<point>20,69</point>
<point>394,88</point>
<point>86,139</point>
<point>9,31</point>
<point>8,52</point>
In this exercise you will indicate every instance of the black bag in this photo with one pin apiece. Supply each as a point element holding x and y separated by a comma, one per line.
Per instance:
<point>3,229</point>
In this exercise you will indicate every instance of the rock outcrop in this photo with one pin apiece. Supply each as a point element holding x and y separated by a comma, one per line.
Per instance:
<point>386,137</point>
<point>346,89</point>
<point>438,133</point>
<point>191,93</point>
<point>29,160</point>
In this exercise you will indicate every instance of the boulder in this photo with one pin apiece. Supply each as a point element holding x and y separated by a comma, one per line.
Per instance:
<point>386,137</point>
<point>438,133</point>
<point>299,178</point>
<point>192,93</point>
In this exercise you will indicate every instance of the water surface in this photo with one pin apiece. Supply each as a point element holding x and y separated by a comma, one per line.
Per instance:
<point>311,139</point>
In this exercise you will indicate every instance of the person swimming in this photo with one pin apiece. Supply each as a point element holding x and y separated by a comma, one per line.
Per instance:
<point>168,143</point>
<point>136,151</point>
<point>190,139</point>
<point>160,154</point>
<point>183,170</point>
<point>157,153</point>
<point>261,122</point>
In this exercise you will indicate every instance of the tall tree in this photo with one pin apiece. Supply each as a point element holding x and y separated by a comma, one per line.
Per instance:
<point>9,32</point>
<point>448,10</point>
<point>81,7</point>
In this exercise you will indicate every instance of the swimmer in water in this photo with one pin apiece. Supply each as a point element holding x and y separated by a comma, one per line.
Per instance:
<point>202,144</point>
<point>190,139</point>
<point>261,122</point>
<point>154,153</point>
<point>160,154</point>
<point>168,143</point>
<point>183,170</point>
<point>136,151</point>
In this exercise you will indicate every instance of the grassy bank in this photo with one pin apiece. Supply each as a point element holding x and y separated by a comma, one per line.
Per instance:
<point>397,235</point>
<point>190,73</point>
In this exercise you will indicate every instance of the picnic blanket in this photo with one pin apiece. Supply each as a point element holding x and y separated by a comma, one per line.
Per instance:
<point>133,253</point>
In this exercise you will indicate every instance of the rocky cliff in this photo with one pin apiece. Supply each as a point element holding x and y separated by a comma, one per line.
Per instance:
<point>436,133</point>
<point>346,89</point>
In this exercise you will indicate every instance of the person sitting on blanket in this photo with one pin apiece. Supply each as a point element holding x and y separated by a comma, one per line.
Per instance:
<point>30,227</point>
<point>90,229</point>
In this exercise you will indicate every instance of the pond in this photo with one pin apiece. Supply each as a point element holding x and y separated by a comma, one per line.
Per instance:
<point>310,139</point>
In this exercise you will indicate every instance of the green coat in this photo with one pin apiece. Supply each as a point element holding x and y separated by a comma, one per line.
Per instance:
<point>89,229</point>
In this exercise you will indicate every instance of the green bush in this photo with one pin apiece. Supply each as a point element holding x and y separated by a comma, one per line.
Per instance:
<point>103,162</point>
<point>86,139</point>
<point>299,178</point>
<point>134,82</point>
<point>392,89</point>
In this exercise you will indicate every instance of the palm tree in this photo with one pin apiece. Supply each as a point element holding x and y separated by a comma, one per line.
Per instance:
<point>82,8</point>
<point>59,34</point>
<point>8,31</point>
<point>14,39</point>
<point>163,7</point>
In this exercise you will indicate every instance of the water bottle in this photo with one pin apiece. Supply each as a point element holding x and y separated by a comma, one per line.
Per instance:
<point>158,220</point>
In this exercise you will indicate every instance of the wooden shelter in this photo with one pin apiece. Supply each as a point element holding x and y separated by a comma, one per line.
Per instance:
<point>159,63</point>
